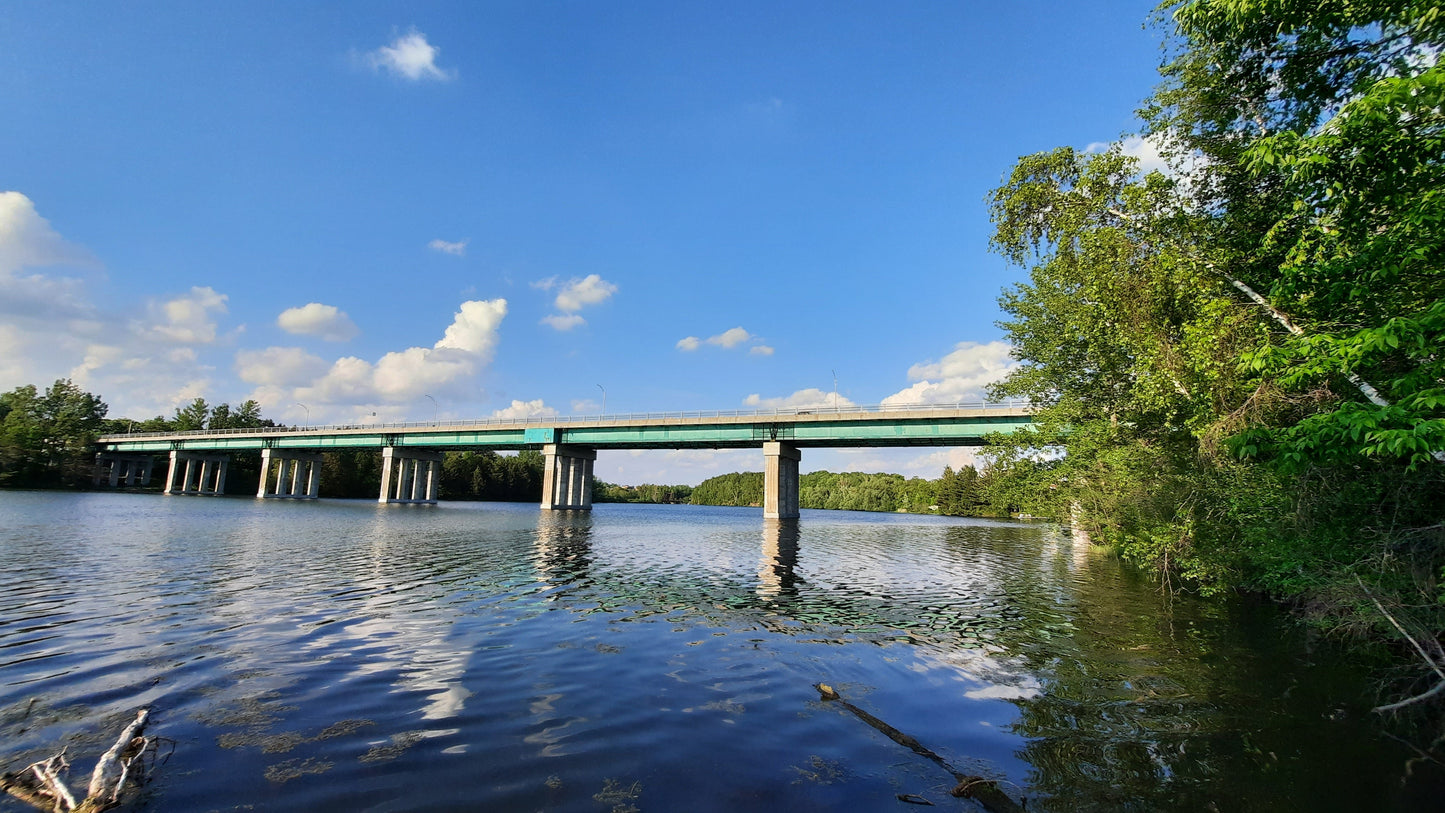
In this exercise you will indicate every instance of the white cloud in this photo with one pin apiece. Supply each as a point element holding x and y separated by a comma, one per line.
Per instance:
<point>959,377</point>
<point>315,319</point>
<point>279,366</point>
<point>523,410</point>
<point>49,327</point>
<point>561,322</point>
<point>188,318</point>
<point>457,249</point>
<point>812,398</point>
<point>580,293</point>
<point>730,338</point>
<point>1149,152</point>
<point>409,56</point>
<point>28,241</point>
<point>575,295</point>
<point>446,367</point>
<point>585,406</point>
<point>727,340</point>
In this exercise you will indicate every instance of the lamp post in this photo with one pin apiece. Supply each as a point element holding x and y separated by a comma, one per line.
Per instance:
<point>308,413</point>
<point>604,398</point>
<point>435,419</point>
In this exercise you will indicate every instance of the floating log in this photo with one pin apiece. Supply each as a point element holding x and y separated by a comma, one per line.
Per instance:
<point>982,790</point>
<point>42,784</point>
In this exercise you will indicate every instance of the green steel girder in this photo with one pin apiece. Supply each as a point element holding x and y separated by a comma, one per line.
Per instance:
<point>880,431</point>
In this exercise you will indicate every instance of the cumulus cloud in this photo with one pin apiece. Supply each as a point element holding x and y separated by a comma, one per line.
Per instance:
<point>959,377</point>
<point>730,338</point>
<point>50,328</point>
<point>315,319</point>
<point>563,322</point>
<point>580,293</point>
<point>401,376</point>
<point>575,294</point>
<point>411,57</point>
<point>28,241</point>
<point>524,410</point>
<point>279,366</point>
<point>457,249</point>
<point>1149,152</point>
<point>811,398</point>
<point>188,318</point>
<point>727,340</point>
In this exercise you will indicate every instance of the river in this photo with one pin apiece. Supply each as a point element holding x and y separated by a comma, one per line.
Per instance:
<point>342,655</point>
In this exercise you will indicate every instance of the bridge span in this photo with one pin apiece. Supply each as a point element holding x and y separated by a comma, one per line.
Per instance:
<point>411,452</point>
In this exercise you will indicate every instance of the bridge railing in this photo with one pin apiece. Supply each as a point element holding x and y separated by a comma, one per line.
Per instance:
<point>553,420</point>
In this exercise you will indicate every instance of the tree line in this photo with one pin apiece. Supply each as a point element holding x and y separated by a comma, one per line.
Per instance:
<point>962,493</point>
<point>1243,356</point>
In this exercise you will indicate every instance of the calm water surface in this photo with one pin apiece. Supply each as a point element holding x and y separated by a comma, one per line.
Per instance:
<point>343,655</point>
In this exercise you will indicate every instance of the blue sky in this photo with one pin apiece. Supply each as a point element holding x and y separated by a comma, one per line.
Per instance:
<point>353,206</point>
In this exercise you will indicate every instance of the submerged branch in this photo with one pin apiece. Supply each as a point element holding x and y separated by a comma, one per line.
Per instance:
<point>984,791</point>
<point>42,784</point>
<point>1425,656</point>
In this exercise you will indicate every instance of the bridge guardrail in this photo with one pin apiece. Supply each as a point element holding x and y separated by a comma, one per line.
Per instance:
<point>553,420</point>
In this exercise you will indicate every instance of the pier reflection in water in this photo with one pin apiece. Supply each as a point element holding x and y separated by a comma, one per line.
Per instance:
<point>344,655</point>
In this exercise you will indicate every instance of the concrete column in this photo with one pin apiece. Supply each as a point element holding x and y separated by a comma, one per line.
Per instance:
<point>265,472</point>
<point>386,469</point>
<point>408,475</point>
<point>780,480</point>
<point>114,473</point>
<point>171,473</point>
<point>145,473</point>
<point>191,469</point>
<point>221,476</point>
<point>313,488</point>
<point>566,481</point>
<point>207,479</point>
<point>132,468</point>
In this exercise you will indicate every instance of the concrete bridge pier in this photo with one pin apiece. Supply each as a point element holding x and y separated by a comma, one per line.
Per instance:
<point>193,473</point>
<point>298,475</point>
<point>780,480</point>
<point>409,476</point>
<point>567,477</point>
<point>133,468</point>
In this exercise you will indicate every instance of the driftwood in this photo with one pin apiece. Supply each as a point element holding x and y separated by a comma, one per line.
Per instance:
<point>42,784</point>
<point>982,790</point>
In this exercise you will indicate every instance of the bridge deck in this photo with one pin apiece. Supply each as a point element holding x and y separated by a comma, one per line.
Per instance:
<point>953,425</point>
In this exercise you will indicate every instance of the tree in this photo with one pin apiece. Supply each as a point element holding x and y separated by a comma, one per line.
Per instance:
<point>193,416</point>
<point>46,440</point>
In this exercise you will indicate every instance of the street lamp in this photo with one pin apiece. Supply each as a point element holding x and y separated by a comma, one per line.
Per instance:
<point>308,413</point>
<point>604,398</point>
<point>434,409</point>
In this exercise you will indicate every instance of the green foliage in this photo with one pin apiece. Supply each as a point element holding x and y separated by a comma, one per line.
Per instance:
<point>46,440</point>
<point>965,493</point>
<point>646,493</point>
<point>1290,447</point>
<point>486,475</point>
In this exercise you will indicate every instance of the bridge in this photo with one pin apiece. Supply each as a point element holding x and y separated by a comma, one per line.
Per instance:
<point>411,452</point>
